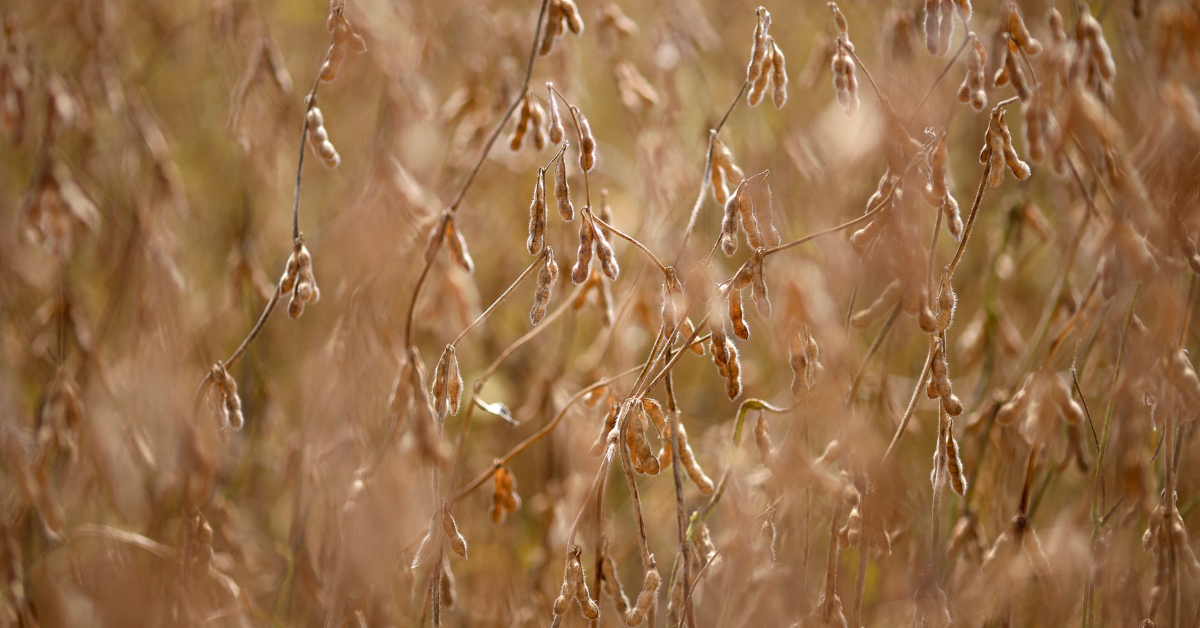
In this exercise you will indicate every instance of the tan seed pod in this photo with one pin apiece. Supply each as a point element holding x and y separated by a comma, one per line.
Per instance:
<point>952,405</point>
<point>537,121</point>
<point>537,215</point>
<point>1020,34</point>
<point>612,584</point>
<point>758,52</point>
<point>945,27</point>
<point>587,241</point>
<point>639,448</point>
<point>587,143</point>
<point>654,410</point>
<point>729,223</point>
<point>555,25</point>
<point>572,17</point>
<point>562,191</point>
<point>759,88</point>
<point>438,386</point>
<point>504,495</point>
<point>608,259</point>
<point>688,458</point>
<point>454,383</point>
<point>457,542</point>
<point>762,438</point>
<point>839,22</point>
<point>964,7</point>
<point>947,301</point>
<point>845,82</point>
<point>687,329</point>
<point>830,455</point>
<point>740,329</point>
<point>545,287</point>
<point>517,139</point>
<point>746,218</point>
<point>556,132</point>
<point>779,77</point>
<point>1011,409</point>
<point>716,179</point>
<point>457,247</point>
<point>649,593</point>
<point>733,378</point>
<point>758,286</point>
<point>932,27</point>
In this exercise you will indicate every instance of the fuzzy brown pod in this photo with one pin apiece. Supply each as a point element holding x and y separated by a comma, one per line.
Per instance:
<point>546,278</point>
<point>736,316</point>
<point>729,222</point>
<point>523,123</point>
<point>762,438</point>
<point>687,457</point>
<point>537,215</point>
<point>447,385</point>
<point>958,479</point>
<point>563,15</point>
<point>1020,34</point>
<point>998,151</point>
<point>843,28</point>
<point>574,587</point>
<point>733,371</point>
<point>845,81</point>
<point>200,551</point>
<point>1010,71</point>
<point>640,453</point>
<point>746,218</point>
<point>457,542</point>
<point>587,142</point>
<point>972,88</point>
<point>318,138</point>
<point>303,284</point>
<point>759,51</point>
<point>587,245</point>
<point>229,408</point>
<point>803,357</point>
<point>654,411</point>
<point>758,284</point>
<point>505,500</point>
<point>457,247</point>
<point>646,597</point>
<point>556,131</point>
<point>611,581</point>
<point>345,39</point>
<point>758,89</point>
<point>779,77</point>
<point>686,330</point>
<point>947,302</point>
<point>606,255</point>
<point>562,190</point>
<point>722,171</point>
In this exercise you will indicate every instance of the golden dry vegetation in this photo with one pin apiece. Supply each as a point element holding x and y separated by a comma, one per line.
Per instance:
<point>910,312</point>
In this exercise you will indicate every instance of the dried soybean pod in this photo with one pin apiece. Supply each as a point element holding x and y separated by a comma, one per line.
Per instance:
<point>779,77</point>
<point>608,259</point>
<point>688,458</point>
<point>457,542</point>
<point>457,247</point>
<point>454,383</point>
<point>654,410</point>
<point>556,122</point>
<point>758,286</point>
<point>1016,26</point>
<point>932,27</point>
<point>733,373</point>
<point>958,479</point>
<point>740,329</point>
<point>587,142</point>
<point>587,240</point>
<point>545,287</point>
<point>729,224</point>
<point>562,191</point>
<point>537,215</point>
<point>649,592</point>
<point>758,52</point>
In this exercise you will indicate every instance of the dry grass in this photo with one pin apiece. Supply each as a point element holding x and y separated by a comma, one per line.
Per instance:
<point>969,393</point>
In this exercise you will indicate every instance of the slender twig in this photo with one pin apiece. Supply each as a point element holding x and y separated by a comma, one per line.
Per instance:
<point>949,64</point>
